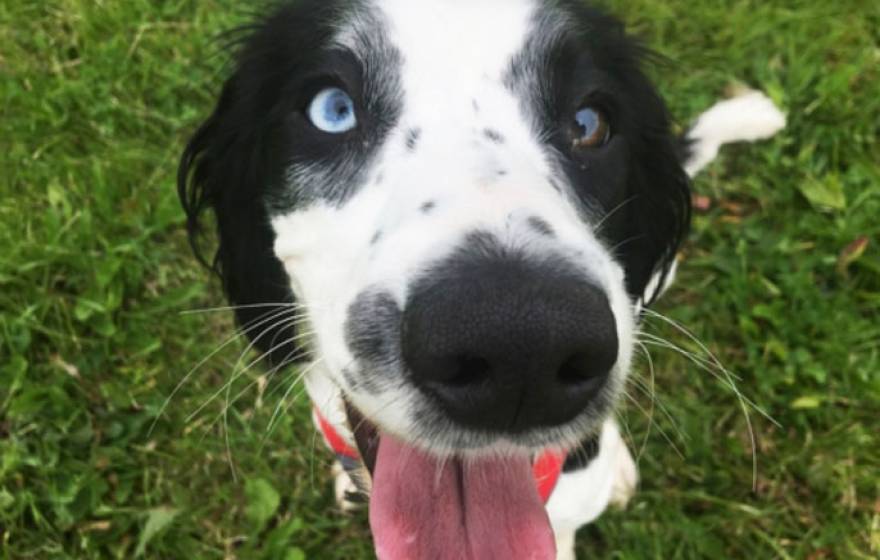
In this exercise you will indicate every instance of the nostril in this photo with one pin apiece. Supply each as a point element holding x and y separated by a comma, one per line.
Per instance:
<point>470,370</point>
<point>454,372</point>
<point>576,369</point>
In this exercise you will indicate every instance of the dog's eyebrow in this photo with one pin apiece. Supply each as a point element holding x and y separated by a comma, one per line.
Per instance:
<point>529,72</point>
<point>365,36</point>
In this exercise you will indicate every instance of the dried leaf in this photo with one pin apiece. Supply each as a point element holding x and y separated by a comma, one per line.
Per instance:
<point>702,203</point>
<point>850,254</point>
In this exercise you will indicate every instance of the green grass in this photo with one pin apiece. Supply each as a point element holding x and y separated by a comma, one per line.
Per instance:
<point>97,99</point>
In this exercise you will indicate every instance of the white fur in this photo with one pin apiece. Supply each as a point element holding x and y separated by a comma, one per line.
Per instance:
<point>565,542</point>
<point>581,496</point>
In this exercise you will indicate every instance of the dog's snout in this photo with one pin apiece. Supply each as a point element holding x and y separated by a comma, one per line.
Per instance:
<point>506,344</point>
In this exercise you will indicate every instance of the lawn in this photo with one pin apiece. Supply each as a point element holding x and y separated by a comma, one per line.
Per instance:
<point>781,282</point>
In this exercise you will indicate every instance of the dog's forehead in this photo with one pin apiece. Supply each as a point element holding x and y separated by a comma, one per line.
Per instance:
<point>452,47</point>
<point>456,40</point>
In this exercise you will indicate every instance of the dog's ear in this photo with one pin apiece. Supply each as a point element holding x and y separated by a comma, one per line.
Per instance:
<point>658,208</point>
<point>237,160</point>
<point>659,214</point>
<point>225,169</point>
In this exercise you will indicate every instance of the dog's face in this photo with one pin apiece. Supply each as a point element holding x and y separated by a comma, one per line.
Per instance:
<point>468,200</point>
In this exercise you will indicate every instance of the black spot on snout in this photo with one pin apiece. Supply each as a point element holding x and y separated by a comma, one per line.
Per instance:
<point>376,238</point>
<point>540,226</point>
<point>428,207</point>
<point>493,136</point>
<point>412,138</point>
<point>372,332</point>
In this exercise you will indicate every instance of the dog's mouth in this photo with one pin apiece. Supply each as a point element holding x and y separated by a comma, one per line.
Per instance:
<point>366,436</point>
<point>422,506</point>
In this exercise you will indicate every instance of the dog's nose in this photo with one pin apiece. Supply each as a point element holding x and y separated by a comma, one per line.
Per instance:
<point>506,344</point>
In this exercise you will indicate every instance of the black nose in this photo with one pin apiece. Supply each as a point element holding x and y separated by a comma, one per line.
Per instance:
<point>506,344</point>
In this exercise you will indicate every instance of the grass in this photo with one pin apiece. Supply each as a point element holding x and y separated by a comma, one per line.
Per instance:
<point>97,99</point>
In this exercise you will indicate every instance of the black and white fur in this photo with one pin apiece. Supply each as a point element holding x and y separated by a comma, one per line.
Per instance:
<point>462,109</point>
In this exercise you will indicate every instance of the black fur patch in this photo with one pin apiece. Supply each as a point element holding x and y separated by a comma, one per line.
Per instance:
<point>581,456</point>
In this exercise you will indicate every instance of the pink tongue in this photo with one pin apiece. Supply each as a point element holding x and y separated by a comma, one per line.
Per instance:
<point>425,509</point>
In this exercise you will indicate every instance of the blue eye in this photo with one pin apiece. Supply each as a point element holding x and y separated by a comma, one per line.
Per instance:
<point>592,128</point>
<point>332,110</point>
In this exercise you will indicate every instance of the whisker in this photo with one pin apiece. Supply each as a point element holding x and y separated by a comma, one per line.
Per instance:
<point>691,336</point>
<point>232,338</point>
<point>664,410</point>
<point>623,418</point>
<point>731,383</point>
<point>743,402</point>
<point>223,414</point>
<point>271,426</point>
<point>289,360</point>
<point>278,386</point>
<point>613,250</point>
<point>286,305</point>
<point>708,367</point>
<point>236,374</point>
<point>276,368</point>
<point>652,396</point>
<point>693,356</point>
<point>598,227</point>
<point>250,385</point>
<point>241,372</point>
<point>659,429</point>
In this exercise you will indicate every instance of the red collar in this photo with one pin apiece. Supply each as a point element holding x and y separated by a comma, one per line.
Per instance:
<point>546,469</point>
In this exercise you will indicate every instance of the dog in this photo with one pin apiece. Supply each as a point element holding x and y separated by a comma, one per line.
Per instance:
<point>453,214</point>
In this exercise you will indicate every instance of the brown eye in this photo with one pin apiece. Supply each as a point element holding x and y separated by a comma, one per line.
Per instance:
<point>592,128</point>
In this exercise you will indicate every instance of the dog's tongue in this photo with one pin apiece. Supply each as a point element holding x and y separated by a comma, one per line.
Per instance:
<point>422,508</point>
